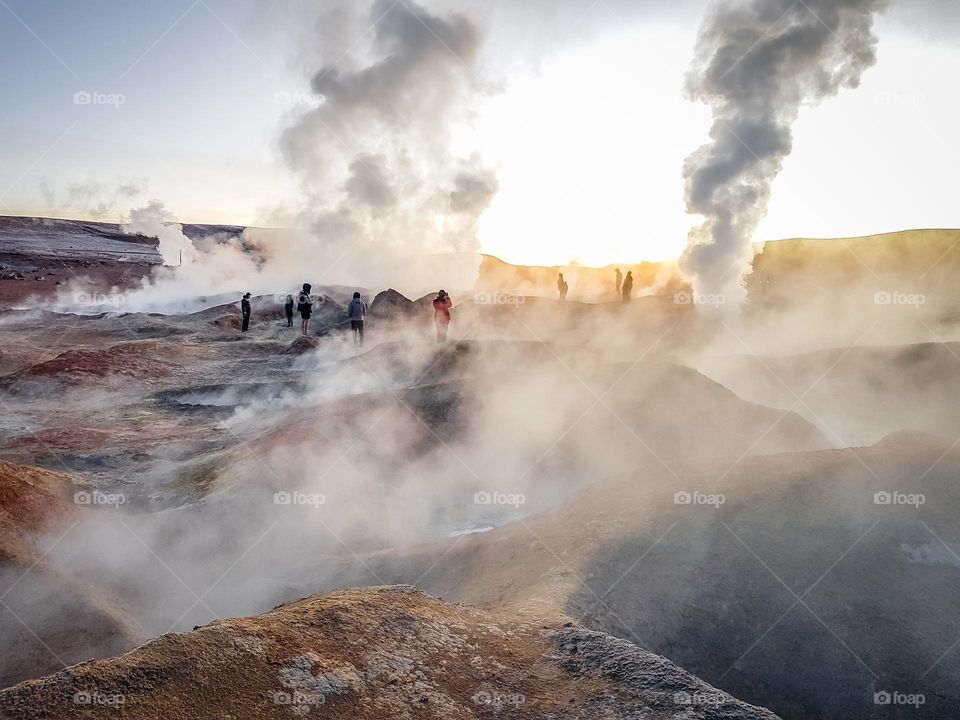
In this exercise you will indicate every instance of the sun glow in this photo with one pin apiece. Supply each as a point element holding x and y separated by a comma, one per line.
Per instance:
<point>590,152</point>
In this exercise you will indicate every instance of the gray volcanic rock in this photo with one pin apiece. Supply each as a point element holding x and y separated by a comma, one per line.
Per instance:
<point>391,305</point>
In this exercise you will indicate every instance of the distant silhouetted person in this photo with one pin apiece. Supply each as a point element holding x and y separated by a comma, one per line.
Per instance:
<point>562,287</point>
<point>288,310</point>
<point>619,280</point>
<point>441,314</point>
<point>305,308</point>
<point>357,312</point>
<point>628,287</point>
<point>245,311</point>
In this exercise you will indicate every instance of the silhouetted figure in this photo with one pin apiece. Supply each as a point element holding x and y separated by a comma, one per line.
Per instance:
<point>245,311</point>
<point>562,287</point>
<point>619,280</point>
<point>305,307</point>
<point>357,312</point>
<point>441,314</point>
<point>288,310</point>
<point>628,287</point>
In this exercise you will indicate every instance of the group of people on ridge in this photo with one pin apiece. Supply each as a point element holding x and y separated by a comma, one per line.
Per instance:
<point>624,286</point>
<point>356,313</point>
<point>442,303</point>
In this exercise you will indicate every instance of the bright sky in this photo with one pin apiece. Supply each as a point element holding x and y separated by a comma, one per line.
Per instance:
<point>588,145</point>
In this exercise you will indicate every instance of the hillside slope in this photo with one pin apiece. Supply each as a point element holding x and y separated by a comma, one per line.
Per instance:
<point>386,652</point>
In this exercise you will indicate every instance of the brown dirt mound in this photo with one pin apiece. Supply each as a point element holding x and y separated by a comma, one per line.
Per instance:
<point>389,652</point>
<point>302,345</point>
<point>31,500</point>
<point>79,366</point>
<point>47,619</point>
<point>68,439</point>
<point>227,321</point>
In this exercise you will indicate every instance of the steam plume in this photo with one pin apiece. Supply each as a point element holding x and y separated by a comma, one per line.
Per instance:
<point>153,220</point>
<point>757,62</point>
<point>375,156</point>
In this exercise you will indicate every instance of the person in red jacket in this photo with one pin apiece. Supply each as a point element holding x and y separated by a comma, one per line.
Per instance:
<point>441,314</point>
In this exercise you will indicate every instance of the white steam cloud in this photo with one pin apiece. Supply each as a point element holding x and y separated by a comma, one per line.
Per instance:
<point>757,62</point>
<point>375,157</point>
<point>154,220</point>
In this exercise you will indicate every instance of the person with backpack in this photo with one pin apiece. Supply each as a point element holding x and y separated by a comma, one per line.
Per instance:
<point>305,308</point>
<point>441,314</point>
<point>245,312</point>
<point>288,310</point>
<point>356,314</point>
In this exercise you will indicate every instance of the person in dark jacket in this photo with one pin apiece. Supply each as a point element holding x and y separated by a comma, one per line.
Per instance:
<point>245,311</point>
<point>305,307</point>
<point>441,314</point>
<point>356,313</point>
<point>628,287</point>
<point>288,310</point>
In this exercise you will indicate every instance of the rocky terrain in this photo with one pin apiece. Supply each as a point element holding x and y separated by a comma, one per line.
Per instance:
<point>387,652</point>
<point>767,501</point>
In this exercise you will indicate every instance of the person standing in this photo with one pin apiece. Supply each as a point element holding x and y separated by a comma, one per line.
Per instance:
<point>356,313</point>
<point>628,287</point>
<point>562,287</point>
<point>288,310</point>
<point>245,312</point>
<point>619,281</point>
<point>441,314</point>
<point>305,308</point>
